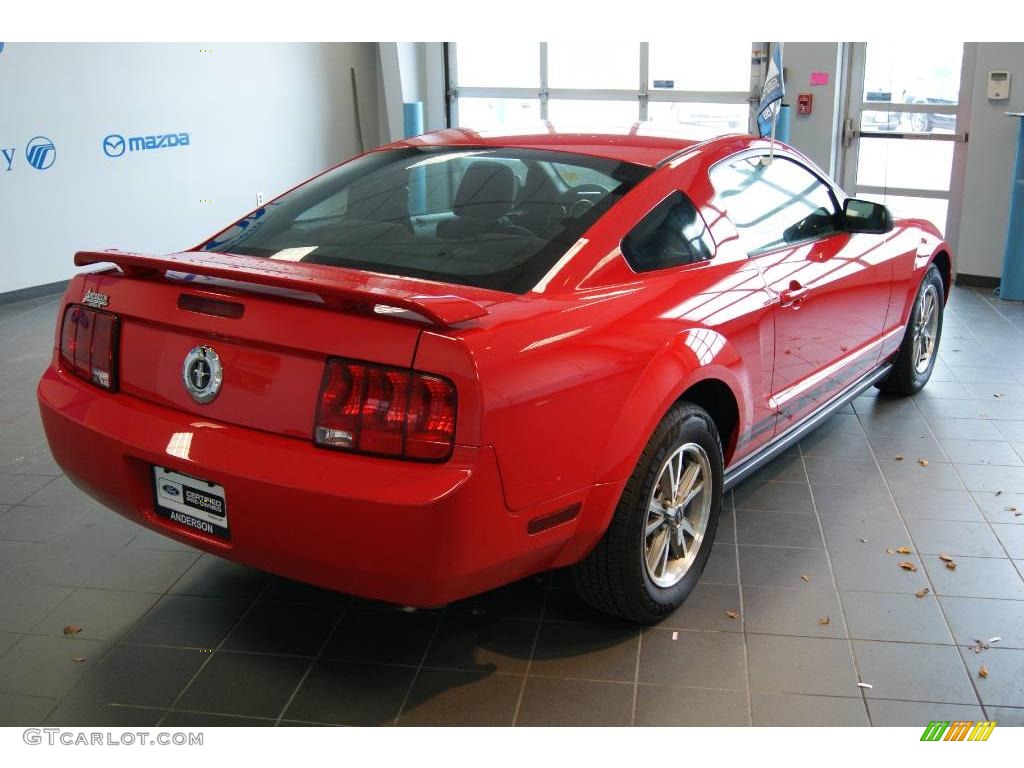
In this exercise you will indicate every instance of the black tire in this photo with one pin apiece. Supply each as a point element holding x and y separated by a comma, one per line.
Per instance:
<point>614,577</point>
<point>905,378</point>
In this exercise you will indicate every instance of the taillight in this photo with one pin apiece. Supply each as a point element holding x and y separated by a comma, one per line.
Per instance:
<point>88,345</point>
<point>385,411</point>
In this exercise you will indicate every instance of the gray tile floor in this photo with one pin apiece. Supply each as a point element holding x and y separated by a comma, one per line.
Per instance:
<point>173,637</point>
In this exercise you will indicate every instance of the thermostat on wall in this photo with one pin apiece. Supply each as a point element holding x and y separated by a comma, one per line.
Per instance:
<point>999,84</point>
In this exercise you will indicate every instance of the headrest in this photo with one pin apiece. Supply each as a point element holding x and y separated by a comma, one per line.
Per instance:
<point>486,192</point>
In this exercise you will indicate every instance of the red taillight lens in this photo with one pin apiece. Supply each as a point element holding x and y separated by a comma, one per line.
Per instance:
<point>386,411</point>
<point>88,345</point>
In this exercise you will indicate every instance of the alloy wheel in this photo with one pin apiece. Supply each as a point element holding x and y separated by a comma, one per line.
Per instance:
<point>926,328</point>
<point>677,516</point>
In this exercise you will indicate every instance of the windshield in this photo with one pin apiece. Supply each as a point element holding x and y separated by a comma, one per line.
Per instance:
<point>490,217</point>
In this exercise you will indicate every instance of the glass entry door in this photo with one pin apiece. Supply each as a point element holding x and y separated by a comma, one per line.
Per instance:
<point>904,137</point>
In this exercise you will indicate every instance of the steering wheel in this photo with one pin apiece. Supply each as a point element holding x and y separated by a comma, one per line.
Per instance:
<point>585,195</point>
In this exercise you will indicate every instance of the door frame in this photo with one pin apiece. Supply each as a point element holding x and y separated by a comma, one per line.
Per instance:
<point>851,135</point>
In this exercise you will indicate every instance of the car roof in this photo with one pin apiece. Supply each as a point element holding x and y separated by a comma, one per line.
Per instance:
<point>641,143</point>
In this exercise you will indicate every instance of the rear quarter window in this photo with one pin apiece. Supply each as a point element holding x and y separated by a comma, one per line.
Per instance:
<point>671,235</point>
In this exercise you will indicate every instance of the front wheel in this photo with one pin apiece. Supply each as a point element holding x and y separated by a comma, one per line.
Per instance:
<point>661,533</point>
<point>919,350</point>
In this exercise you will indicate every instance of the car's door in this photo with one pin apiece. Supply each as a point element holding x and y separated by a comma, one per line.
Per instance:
<point>832,287</point>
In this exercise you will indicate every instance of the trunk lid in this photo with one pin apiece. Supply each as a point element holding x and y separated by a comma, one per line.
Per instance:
<point>272,327</point>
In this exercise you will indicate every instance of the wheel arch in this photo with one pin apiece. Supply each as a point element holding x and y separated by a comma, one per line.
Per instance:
<point>680,371</point>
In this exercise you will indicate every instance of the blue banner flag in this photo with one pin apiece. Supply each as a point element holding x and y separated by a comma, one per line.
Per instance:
<point>772,93</point>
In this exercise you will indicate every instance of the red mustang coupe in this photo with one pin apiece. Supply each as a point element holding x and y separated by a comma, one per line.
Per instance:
<point>462,359</point>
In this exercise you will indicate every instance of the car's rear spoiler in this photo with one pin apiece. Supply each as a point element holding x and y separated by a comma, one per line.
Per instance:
<point>332,284</point>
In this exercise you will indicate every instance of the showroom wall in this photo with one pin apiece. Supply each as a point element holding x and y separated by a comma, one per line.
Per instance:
<point>226,122</point>
<point>990,156</point>
<point>816,134</point>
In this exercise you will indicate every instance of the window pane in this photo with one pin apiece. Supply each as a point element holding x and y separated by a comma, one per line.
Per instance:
<point>494,218</point>
<point>913,72</point>
<point>878,121</point>
<point>772,205</point>
<point>498,64</point>
<point>671,235</point>
<point>711,65</point>
<point>488,114</point>
<point>914,208</point>
<point>570,112</point>
<point>594,65</point>
<point>702,121</point>
<point>904,163</point>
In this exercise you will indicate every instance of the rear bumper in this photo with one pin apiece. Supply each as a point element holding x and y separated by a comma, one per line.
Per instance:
<point>404,532</point>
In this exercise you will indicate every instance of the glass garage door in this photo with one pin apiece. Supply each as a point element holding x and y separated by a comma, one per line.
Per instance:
<point>904,139</point>
<point>704,88</point>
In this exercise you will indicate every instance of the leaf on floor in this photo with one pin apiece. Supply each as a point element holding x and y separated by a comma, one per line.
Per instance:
<point>908,566</point>
<point>983,671</point>
<point>904,550</point>
<point>824,621</point>
<point>922,591</point>
<point>78,659</point>
<point>71,629</point>
<point>946,558</point>
<point>805,577</point>
<point>951,565</point>
<point>899,457</point>
<point>923,462</point>
<point>732,614</point>
<point>979,646</point>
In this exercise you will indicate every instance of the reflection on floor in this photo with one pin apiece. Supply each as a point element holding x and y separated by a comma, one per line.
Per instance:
<point>172,637</point>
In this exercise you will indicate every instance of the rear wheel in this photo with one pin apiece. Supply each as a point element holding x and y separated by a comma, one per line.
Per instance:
<point>660,536</point>
<point>916,359</point>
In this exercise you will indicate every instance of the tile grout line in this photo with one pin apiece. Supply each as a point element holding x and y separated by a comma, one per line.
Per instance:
<point>216,650</point>
<point>743,613</point>
<point>312,662</point>
<point>115,643</point>
<point>636,675</point>
<point>910,538</point>
<point>988,525</point>
<point>533,651</point>
<point>419,667</point>
<point>835,583</point>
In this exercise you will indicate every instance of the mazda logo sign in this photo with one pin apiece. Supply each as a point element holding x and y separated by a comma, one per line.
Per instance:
<point>113,145</point>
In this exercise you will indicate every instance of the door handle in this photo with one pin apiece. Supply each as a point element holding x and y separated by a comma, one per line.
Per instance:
<point>793,296</point>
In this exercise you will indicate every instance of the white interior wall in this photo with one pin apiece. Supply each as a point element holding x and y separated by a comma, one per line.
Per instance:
<point>260,117</point>
<point>991,151</point>
<point>816,134</point>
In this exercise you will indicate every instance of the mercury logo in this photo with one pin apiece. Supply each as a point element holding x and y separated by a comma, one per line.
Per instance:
<point>40,153</point>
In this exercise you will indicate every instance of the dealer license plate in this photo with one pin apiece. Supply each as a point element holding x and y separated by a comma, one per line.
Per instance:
<point>191,502</point>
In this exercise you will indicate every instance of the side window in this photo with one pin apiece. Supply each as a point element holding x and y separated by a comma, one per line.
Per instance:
<point>775,204</point>
<point>672,234</point>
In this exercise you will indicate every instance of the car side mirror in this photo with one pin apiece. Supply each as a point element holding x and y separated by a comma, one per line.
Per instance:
<point>866,216</point>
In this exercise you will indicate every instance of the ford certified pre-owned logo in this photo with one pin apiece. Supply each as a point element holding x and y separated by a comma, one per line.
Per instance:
<point>40,153</point>
<point>113,145</point>
<point>170,490</point>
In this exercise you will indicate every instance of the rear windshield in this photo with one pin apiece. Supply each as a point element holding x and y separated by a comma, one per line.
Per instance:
<point>494,217</point>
